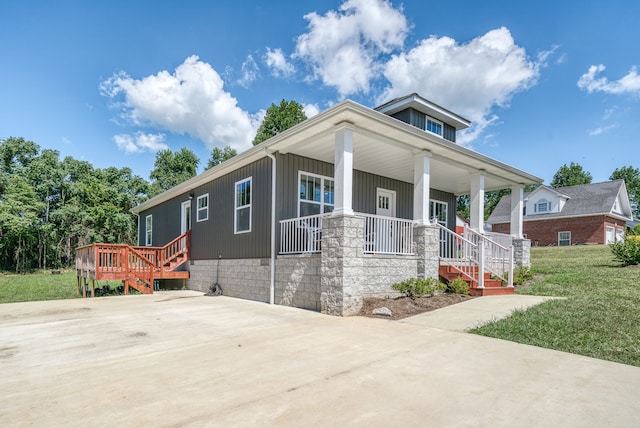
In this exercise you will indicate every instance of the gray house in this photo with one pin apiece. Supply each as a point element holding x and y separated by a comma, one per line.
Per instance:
<point>338,208</point>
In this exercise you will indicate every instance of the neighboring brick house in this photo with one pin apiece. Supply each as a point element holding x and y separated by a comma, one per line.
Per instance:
<point>585,214</point>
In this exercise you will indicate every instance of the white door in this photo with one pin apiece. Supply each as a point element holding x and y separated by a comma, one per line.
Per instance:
<point>383,233</point>
<point>185,223</point>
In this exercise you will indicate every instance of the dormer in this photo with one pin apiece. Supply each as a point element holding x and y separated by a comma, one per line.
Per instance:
<point>544,200</point>
<point>428,116</point>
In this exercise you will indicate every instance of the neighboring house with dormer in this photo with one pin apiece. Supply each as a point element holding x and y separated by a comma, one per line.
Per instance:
<point>584,214</point>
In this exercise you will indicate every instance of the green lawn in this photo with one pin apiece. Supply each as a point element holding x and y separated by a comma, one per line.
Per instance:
<point>600,316</point>
<point>37,286</point>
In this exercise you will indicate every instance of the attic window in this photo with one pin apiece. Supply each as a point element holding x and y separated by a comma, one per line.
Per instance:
<point>434,126</point>
<point>542,206</point>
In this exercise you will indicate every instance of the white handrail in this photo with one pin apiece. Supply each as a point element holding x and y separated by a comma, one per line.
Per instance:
<point>461,254</point>
<point>497,258</point>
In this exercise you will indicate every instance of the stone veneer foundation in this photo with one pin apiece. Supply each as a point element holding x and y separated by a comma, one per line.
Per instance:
<point>334,282</point>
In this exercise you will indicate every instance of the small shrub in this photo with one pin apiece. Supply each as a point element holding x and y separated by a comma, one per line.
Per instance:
<point>627,251</point>
<point>418,287</point>
<point>459,286</point>
<point>521,274</point>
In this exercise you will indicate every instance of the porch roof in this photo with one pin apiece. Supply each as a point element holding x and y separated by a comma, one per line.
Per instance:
<point>382,145</point>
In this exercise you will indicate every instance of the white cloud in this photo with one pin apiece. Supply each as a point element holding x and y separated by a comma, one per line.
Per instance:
<point>343,47</point>
<point>140,142</point>
<point>190,100</point>
<point>468,78</point>
<point>277,62</point>
<point>250,72</point>
<point>627,84</point>
<point>310,110</point>
<point>602,129</point>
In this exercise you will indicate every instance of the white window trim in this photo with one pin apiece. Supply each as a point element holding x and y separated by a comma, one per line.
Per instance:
<point>237,208</point>
<point>148,231</point>
<point>321,203</point>
<point>446,211</point>
<point>436,121</point>
<point>564,231</point>
<point>542,202</point>
<point>198,209</point>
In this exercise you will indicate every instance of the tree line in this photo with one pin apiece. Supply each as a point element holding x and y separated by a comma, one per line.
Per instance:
<point>50,206</point>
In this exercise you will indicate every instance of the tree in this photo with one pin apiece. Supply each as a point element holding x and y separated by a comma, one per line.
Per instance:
<point>278,119</point>
<point>220,155</point>
<point>171,169</point>
<point>571,175</point>
<point>631,177</point>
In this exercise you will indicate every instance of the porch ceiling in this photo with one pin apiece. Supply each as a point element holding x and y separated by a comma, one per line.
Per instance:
<point>385,146</point>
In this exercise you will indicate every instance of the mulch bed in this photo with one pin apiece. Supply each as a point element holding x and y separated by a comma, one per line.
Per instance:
<point>403,307</point>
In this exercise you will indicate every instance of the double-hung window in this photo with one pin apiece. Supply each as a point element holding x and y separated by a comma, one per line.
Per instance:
<point>438,211</point>
<point>148,230</point>
<point>202,204</point>
<point>242,217</point>
<point>434,126</point>
<point>564,239</point>
<point>543,206</point>
<point>316,194</point>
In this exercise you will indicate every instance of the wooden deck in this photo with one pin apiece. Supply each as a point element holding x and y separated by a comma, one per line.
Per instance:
<point>136,267</point>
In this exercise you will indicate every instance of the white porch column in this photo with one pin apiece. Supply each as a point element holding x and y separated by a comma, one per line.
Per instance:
<point>343,174</point>
<point>477,202</point>
<point>517,205</point>
<point>421,187</point>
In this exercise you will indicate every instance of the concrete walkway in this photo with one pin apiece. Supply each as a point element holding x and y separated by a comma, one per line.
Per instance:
<point>185,360</point>
<point>473,313</point>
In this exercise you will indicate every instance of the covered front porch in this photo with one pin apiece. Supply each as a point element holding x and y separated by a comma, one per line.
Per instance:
<point>350,243</point>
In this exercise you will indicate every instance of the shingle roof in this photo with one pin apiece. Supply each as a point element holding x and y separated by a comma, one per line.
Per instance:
<point>584,199</point>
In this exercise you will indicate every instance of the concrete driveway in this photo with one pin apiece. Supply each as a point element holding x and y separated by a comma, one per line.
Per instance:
<point>184,359</point>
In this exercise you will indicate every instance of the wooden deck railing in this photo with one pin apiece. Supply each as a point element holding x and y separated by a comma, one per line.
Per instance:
<point>136,266</point>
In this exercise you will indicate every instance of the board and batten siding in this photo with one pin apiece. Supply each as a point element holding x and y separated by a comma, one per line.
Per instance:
<point>215,237</point>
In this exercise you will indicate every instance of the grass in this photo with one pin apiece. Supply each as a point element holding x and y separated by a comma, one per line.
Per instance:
<point>37,286</point>
<point>599,317</point>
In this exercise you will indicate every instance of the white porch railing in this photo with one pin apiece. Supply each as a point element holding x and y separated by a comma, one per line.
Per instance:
<point>498,256</point>
<point>387,235</point>
<point>301,234</point>
<point>460,253</point>
<point>474,254</point>
<point>382,235</point>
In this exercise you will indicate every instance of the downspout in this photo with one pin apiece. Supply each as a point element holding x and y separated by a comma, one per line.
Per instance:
<point>272,262</point>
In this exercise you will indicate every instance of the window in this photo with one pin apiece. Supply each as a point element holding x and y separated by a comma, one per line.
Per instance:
<point>148,230</point>
<point>610,236</point>
<point>438,211</point>
<point>242,218</point>
<point>434,126</point>
<point>316,194</point>
<point>542,206</point>
<point>564,239</point>
<point>619,235</point>
<point>202,204</point>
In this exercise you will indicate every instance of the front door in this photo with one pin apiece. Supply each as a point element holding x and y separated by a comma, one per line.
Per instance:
<point>185,223</point>
<point>383,228</point>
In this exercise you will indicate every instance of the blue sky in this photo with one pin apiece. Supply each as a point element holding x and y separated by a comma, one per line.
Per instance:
<point>545,83</point>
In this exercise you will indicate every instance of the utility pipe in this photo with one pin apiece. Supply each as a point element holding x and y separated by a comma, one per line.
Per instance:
<point>272,262</point>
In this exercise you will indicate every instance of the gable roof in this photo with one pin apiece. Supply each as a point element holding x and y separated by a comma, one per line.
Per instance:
<point>382,145</point>
<point>582,200</point>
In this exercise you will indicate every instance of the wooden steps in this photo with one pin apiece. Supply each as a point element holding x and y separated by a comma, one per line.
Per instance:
<point>492,287</point>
